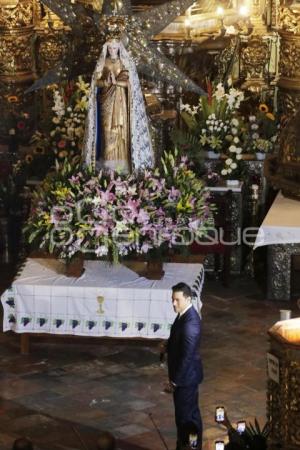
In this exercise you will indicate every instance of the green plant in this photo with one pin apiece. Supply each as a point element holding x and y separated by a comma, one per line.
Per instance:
<point>256,436</point>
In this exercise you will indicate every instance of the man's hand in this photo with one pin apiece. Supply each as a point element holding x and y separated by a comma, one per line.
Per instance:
<point>169,387</point>
<point>162,351</point>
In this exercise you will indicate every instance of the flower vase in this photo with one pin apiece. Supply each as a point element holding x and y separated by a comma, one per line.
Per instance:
<point>154,270</point>
<point>260,156</point>
<point>74,267</point>
<point>213,155</point>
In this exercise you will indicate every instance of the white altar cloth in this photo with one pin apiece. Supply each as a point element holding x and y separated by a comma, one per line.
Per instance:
<point>105,301</point>
<point>282,223</point>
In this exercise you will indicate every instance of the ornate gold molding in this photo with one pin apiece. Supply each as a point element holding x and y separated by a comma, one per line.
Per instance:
<point>254,54</point>
<point>289,101</point>
<point>289,19</point>
<point>16,14</point>
<point>283,407</point>
<point>289,65</point>
<point>16,58</point>
<point>50,50</point>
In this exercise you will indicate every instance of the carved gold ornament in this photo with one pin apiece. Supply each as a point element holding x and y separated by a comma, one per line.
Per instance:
<point>18,14</point>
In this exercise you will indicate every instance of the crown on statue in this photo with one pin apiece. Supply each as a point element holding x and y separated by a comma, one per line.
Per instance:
<point>115,26</point>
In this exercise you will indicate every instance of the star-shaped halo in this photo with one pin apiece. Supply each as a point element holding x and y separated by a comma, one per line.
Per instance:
<point>135,30</point>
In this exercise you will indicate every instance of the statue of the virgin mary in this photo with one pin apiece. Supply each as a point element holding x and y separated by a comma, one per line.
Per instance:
<point>117,133</point>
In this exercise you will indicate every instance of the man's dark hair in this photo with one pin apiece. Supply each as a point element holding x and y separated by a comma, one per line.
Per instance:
<point>22,444</point>
<point>184,288</point>
<point>106,441</point>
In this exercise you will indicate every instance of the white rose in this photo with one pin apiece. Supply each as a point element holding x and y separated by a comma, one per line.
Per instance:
<point>211,128</point>
<point>233,165</point>
<point>236,140</point>
<point>235,122</point>
<point>252,118</point>
<point>229,170</point>
<point>238,150</point>
<point>254,126</point>
<point>255,136</point>
<point>232,148</point>
<point>238,156</point>
<point>223,172</point>
<point>234,130</point>
<point>69,109</point>
<point>228,161</point>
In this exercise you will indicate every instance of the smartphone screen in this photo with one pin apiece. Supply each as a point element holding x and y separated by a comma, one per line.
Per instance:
<point>220,413</point>
<point>219,445</point>
<point>241,426</point>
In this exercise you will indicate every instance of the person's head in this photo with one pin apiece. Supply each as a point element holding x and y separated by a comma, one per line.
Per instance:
<point>113,47</point>
<point>106,441</point>
<point>181,297</point>
<point>22,444</point>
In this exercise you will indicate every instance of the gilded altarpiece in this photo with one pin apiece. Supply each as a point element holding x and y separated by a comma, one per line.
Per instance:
<point>289,63</point>
<point>17,65</point>
<point>283,398</point>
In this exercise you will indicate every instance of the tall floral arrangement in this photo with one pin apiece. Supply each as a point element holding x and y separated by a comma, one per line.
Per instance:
<point>111,215</point>
<point>211,119</point>
<point>214,124</point>
<point>65,134</point>
<point>262,130</point>
<point>60,134</point>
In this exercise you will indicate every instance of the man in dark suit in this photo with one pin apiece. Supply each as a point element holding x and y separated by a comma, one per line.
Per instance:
<point>184,363</point>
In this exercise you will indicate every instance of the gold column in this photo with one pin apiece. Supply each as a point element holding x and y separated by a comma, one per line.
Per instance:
<point>256,50</point>
<point>289,65</point>
<point>16,57</point>
<point>52,40</point>
<point>283,404</point>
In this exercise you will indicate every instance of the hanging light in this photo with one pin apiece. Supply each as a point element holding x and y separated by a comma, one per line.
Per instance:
<point>220,11</point>
<point>244,11</point>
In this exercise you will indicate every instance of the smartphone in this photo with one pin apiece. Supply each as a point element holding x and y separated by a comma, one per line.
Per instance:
<point>220,414</point>
<point>219,445</point>
<point>241,426</point>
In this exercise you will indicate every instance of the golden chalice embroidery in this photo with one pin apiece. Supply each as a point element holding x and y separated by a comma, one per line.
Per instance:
<point>100,300</point>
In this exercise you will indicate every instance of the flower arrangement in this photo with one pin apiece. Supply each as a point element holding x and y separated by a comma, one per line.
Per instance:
<point>262,131</point>
<point>211,120</point>
<point>112,215</point>
<point>215,125</point>
<point>65,134</point>
<point>60,135</point>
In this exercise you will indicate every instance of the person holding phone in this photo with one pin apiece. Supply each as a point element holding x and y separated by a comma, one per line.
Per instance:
<point>236,442</point>
<point>184,363</point>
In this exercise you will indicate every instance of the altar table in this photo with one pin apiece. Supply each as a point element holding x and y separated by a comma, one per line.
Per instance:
<point>105,301</point>
<point>280,230</point>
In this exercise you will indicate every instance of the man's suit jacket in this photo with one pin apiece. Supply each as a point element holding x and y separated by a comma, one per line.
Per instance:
<point>184,362</point>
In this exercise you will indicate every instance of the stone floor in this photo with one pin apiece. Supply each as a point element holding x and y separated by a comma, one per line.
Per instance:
<point>68,389</point>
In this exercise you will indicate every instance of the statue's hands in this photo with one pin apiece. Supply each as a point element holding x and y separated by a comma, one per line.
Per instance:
<point>113,78</point>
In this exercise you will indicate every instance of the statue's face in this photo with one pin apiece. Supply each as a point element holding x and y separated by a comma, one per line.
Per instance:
<point>113,49</point>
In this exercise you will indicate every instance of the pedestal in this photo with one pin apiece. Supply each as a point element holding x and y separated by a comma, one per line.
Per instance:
<point>283,397</point>
<point>279,270</point>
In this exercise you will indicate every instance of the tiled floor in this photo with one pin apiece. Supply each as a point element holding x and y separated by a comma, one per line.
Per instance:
<point>67,390</point>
